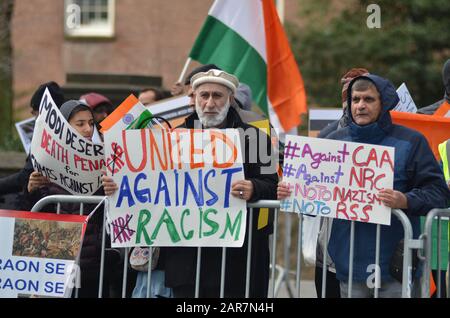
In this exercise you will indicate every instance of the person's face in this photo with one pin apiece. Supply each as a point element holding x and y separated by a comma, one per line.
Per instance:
<point>147,97</point>
<point>366,106</point>
<point>83,122</point>
<point>101,112</point>
<point>212,102</point>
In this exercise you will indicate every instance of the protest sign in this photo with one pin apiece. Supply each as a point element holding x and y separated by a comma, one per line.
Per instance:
<point>25,129</point>
<point>174,187</point>
<point>38,253</point>
<point>337,179</point>
<point>62,155</point>
<point>406,103</point>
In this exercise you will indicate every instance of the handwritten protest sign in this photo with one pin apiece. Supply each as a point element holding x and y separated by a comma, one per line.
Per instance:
<point>337,179</point>
<point>62,155</point>
<point>406,103</point>
<point>38,253</point>
<point>174,187</point>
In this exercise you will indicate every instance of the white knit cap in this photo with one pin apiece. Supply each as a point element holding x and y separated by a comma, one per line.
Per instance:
<point>215,76</point>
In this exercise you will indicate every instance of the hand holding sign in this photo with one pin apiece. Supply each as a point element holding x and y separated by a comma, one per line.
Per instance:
<point>242,189</point>
<point>393,199</point>
<point>283,191</point>
<point>109,186</point>
<point>36,181</point>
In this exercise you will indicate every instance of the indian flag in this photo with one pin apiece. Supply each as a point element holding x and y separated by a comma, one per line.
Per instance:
<point>246,38</point>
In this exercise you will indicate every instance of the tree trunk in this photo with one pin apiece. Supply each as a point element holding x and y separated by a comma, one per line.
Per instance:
<point>6,94</point>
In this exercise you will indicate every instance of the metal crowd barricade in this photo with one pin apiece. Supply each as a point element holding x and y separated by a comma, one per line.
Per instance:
<point>409,245</point>
<point>58,199</point>
<point>427,254</point>
<point>284,273</point>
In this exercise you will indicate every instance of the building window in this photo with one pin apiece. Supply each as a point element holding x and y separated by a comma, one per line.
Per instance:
<point>89,18</point>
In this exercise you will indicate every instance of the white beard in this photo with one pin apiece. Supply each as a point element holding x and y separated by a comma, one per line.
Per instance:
<point>212,121</point>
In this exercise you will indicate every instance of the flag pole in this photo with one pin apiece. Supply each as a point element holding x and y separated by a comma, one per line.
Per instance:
<point>183,72</point>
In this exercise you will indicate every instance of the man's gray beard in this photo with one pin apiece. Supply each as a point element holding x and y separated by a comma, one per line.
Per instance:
<point>211,122</point>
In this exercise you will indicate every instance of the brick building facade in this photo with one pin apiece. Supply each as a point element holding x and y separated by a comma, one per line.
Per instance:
<point>150,38</point>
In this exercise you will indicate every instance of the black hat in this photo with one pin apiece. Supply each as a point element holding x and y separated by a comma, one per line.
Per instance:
<point>203,68</point>
<point>55,91</point>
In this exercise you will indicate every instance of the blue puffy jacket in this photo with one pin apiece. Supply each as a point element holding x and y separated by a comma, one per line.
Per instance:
<point>416,174</point>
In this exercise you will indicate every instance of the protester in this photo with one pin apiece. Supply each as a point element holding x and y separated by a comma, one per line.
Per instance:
<point>17,181</point>
<point>213,93</point>
<point>81,118</point>
<point>419,186</point>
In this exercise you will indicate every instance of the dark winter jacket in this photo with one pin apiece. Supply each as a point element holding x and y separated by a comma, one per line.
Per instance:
<point>416,174</point>
<point>335,125</point>
<point>180,263</point>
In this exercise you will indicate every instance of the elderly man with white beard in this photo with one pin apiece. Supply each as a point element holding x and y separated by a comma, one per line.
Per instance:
<point>214,92</point>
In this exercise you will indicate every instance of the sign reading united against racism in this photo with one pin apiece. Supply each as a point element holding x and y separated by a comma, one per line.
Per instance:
<point>337,179</point>
<point>62,155</point>
<point>38,253</point>
<point>175,187</point>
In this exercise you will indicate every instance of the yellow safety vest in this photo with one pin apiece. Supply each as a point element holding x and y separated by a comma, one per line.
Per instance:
<point>444,152</point>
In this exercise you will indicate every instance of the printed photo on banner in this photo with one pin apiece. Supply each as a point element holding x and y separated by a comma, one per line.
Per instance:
<point>38,253</point>
<point>62,155</point>
<point>124,115</point>
<point>337,179</point>
<point>174,187</point>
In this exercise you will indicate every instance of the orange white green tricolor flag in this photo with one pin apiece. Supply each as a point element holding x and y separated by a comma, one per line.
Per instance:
<point>246,38</point>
